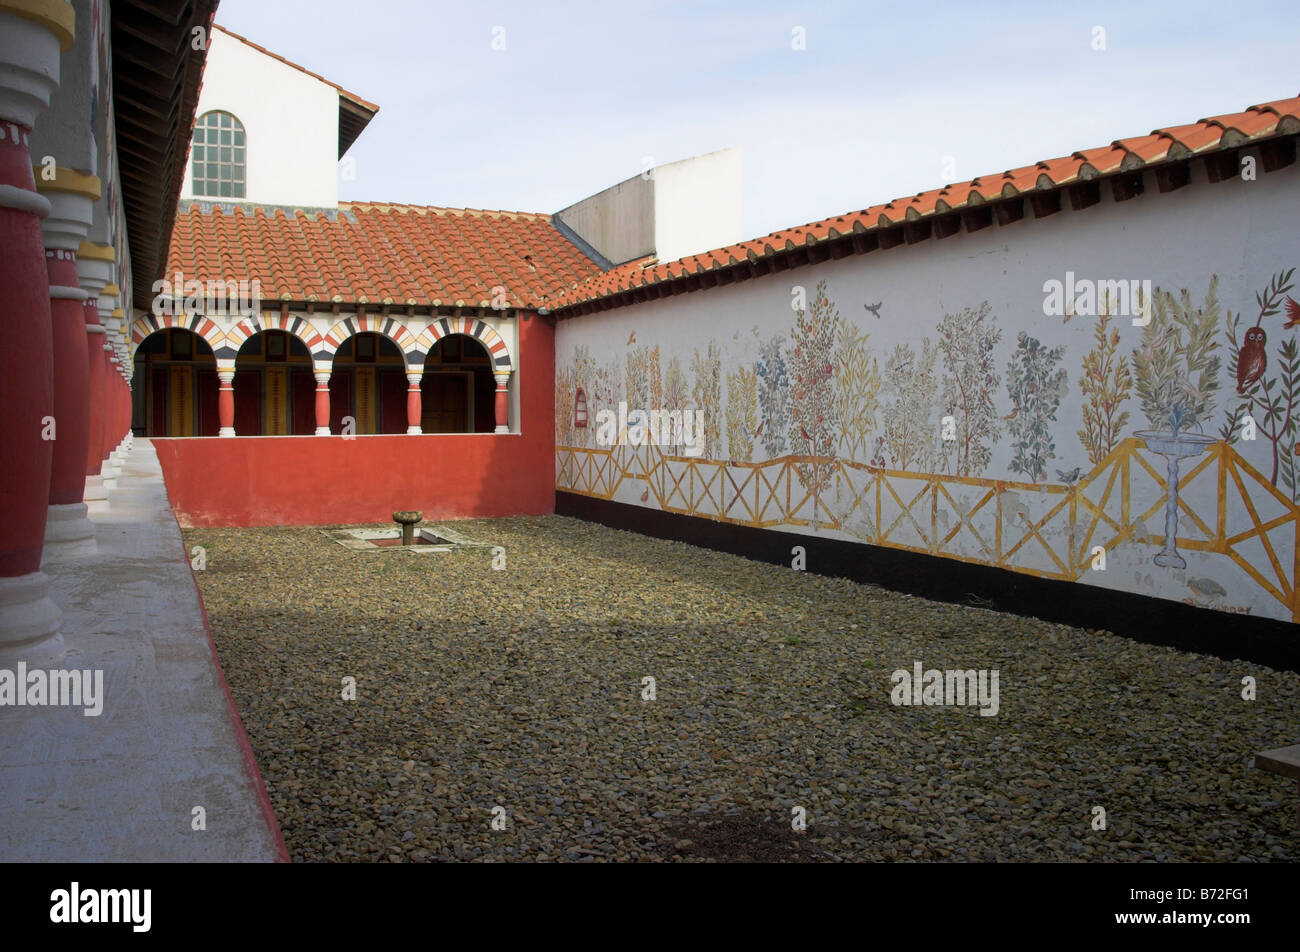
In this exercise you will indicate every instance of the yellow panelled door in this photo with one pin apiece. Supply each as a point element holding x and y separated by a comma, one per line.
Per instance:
<point>276,406</point>
<point>180,406</point>
<point>365,399</point>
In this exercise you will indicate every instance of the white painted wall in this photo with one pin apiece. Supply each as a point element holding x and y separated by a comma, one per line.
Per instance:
<point>670,211</point>
<point>1242,231</point>
<point>698,204</point>
<point>291,121</point>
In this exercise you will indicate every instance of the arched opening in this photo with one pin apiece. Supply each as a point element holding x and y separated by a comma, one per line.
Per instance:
<point>458,390</point>
<point>175,381</point>
<point>218,156</point>
<point>368,383</point>
<point>275,390</point>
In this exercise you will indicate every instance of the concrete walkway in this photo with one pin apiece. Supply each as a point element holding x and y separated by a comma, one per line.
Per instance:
<point>123,786</point>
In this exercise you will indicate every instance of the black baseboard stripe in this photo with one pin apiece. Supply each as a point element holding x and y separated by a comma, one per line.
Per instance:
<point>1140,617</point>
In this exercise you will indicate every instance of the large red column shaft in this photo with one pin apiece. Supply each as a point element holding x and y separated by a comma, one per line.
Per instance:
<point>503,402</point>
<point>414,410</point>
<point>71,379</point>
<point>95,366</point>
<point>323,403</point>
<point>27,380</point>
<point>226,403</point>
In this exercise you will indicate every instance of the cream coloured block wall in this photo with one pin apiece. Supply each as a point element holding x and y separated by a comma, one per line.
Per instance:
<point>291,121</point>
<point>1025,493</point>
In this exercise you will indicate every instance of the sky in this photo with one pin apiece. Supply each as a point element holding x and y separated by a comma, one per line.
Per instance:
<point>534,106</point>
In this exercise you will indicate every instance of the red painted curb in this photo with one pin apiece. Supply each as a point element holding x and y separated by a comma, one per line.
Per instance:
<point>251,770</point>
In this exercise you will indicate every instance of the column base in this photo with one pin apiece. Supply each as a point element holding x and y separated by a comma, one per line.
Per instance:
<point>501,429</point>
<point>68,533</point>
<point>29,620</point>
<point>320,431</point>
<point>413,431</point>
<point>95,495</point>
<point>230,431</point>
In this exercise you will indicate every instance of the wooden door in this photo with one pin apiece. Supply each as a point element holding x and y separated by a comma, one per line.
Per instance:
<point>363,379</point>
<point>444,403</point>
<point>158,389</point>
<point>392,401</point>
<point>340,399</point>
<point>248,402</point>
<point>275,416</point>
<point>208,402</point>
<point>302,391</point>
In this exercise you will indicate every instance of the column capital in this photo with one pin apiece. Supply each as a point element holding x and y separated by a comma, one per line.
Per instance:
<point>227,377</point>
<point>323,378</point>
<point>33,34</point>
<point>56,16</point>
<point>413,377</point>
<point>72,197</point>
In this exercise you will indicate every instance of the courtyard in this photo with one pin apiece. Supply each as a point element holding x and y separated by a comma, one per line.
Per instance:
<point>409,706</point>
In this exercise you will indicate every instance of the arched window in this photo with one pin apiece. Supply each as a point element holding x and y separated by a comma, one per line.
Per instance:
<point>218,156</point>
<point>580,408</point>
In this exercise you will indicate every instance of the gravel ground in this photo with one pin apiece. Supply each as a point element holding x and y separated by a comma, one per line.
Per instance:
<point>522,689</point>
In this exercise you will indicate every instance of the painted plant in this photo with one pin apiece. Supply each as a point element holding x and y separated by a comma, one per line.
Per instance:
<point>857,387</point>
<point>584,376</point>
<point>1175,364</point>
<point>967,341</point>
<point>564,396</point>
<point>638,379</point>
<point>1036,386</point>
<point>814,425</point>
<point>909,418</point>
<point>706,367</point>
<point>742,414</point>
<point>677,397</point>
<point>656,380</point>
<point>1105,382</point>
<point>773,395</point>
<point>1267,391</point>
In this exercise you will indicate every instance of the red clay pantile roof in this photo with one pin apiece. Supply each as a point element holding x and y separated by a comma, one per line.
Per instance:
<point>371,253</point>
<point>1218,133</point>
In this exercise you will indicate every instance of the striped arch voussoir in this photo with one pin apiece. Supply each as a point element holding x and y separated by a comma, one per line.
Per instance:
<point>142,327</point>
<point>389,327</point>
<point>265,321</point>
<point>471,327</point>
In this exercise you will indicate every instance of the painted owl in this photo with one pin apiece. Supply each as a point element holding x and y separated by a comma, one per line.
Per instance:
<point>1252,359</point>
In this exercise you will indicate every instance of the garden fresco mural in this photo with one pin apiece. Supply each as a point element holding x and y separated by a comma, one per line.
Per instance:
<point>1082,447</point>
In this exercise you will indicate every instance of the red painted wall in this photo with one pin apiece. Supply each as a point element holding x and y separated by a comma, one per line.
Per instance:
<point>309,480</point>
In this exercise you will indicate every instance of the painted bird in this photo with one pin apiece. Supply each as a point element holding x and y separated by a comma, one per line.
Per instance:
<point>631,339</point>
<point>1071,477</point>
<point>1207,587</point>
<point>1012,414</point>
<point>1252,359</point>
<point>1292,313</point>
<point>645,495</point>
<point>874,308</point>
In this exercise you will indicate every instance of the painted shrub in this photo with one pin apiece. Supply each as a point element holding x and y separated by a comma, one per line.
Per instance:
<point>1036,386</point>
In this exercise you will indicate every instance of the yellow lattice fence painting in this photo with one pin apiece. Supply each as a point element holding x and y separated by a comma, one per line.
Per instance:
<point>1040,529</point>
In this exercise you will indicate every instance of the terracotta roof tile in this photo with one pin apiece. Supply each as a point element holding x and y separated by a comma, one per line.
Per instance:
<point>1281,117</point>
<point>376,253</point>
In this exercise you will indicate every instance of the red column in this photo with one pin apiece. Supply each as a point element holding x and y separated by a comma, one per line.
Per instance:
<point>67,520</point>
<point>226,402</point>
<point>323,403</point>
<point>503,402</point>
<point>413,408</point>
<point>29,621</point>
<point>95,363</point>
